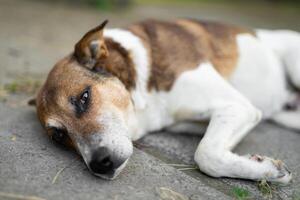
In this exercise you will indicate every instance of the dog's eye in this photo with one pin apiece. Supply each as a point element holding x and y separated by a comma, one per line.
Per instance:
<point>84,97</point>
<point>81,102</point>
<point>58,135</point>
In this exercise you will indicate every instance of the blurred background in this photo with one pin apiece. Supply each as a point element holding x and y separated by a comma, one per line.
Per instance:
<point>36,33</point>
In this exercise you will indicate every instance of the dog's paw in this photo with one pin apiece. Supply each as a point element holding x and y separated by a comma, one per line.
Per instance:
<point>276,170</point>
<point>257,158</point>
<point>284,175</point>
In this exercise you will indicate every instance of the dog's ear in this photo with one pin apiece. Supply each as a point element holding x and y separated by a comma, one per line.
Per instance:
<point>32,102</point>
<point>91,47</point>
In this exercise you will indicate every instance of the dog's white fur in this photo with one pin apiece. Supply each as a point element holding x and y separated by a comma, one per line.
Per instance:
<point>257,89</point>
<point>139,57</point>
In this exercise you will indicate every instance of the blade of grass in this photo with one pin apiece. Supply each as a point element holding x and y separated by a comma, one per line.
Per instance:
<point>188,168</point>
<point>168,194</point>
<point>57,174</point>
<point>265,189</point>
<point>62,169</point>
<point>19,196</point>
<point>177,165</point>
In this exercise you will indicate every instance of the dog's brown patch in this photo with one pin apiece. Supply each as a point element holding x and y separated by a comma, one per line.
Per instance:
<point>175,47</point>
<point>118,63</point>
<point>172,51</point>
<point>223,51</point>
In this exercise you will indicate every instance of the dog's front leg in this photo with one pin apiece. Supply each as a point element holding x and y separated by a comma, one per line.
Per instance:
<point>231,118</point>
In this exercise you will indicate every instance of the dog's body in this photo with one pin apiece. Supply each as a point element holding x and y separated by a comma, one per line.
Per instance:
<point>153,74</point>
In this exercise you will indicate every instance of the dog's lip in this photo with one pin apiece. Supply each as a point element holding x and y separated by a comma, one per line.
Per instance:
<point>109,176</point>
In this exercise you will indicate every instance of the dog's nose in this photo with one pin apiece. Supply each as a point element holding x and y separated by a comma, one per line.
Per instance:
<point>102,161</point>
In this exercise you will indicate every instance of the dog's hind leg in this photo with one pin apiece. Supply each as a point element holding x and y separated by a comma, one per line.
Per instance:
<point>286,45</point>
<point>231,118</point>
<point>289,116</point>
<point>288,119</point>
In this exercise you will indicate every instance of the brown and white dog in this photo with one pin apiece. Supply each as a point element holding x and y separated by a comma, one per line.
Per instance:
<point>119,84</point>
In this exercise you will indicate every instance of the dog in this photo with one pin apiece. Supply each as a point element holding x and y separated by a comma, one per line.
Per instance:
<point>119,84</point>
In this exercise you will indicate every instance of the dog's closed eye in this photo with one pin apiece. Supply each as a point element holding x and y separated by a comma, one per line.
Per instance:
<point>59,136</point>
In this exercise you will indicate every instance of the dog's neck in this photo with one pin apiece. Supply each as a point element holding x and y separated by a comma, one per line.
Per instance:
<point>140,63</point>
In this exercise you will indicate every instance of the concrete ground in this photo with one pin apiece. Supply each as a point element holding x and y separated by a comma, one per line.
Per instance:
<point>35,34</point>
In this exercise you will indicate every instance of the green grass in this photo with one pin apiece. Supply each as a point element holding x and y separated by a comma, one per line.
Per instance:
<point>284,4</point>
<point>19,86</point>
<point>218,1</point>
<point>102,4</point>
<point>28,86</point>
<point>296,196</point>
<point>266,189</point>
<point>240,193</point>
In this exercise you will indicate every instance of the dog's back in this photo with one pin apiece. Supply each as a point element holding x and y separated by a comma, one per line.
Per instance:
<point>175,47</point>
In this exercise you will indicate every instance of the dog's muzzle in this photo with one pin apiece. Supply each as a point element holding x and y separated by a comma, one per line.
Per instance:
<point>105,154</point>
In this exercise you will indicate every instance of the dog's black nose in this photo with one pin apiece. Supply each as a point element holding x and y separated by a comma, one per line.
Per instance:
<point>101,162</point>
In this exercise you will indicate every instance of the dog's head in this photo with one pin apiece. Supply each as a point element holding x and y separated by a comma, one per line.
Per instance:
<point>88,110</point>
